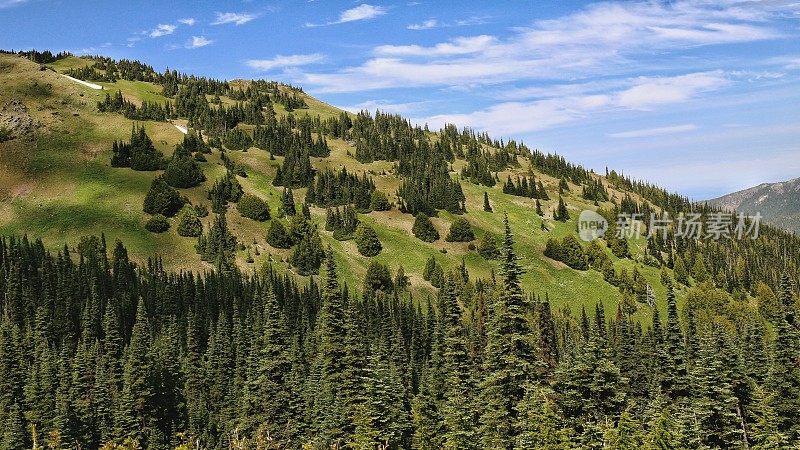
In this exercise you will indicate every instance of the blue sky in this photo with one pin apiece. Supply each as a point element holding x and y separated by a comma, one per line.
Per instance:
<point>699,96</point>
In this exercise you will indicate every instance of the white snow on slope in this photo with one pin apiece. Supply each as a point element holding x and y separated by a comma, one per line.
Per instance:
<point>85,83</point>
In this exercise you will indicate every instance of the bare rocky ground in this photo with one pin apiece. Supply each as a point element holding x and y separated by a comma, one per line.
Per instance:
<point>15,121</point>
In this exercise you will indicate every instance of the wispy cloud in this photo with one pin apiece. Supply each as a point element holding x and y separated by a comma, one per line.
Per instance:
<point>651,132</point>
<point>424,25</point>
<point>435,23</point>
<point>458,46</point>
<point>650,91</point>
<point>188,21</point>
<point>509,118</point>
<point>360,12</point>
<point>235,18</point>
<point>198,41</point>
<point>162,30</point>
<point>386,106</point>
<point>281,61</point>
<point>607,37</point>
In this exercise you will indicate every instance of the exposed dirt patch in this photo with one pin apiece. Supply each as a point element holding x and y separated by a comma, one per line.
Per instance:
<point>21,190</point>
<point>15,120</point>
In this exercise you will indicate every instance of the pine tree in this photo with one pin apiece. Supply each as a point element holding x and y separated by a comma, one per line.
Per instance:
<point>488,246</point>
<point>764,432</point>
<point>287,203</point>
<point>561,214</point>
<point>14,435</point>
<point>674,374</point>
<point>134,419</point>
<point>539,425</point>
<point>509,357</point>
<point>273,368</point>
<point>162,199</point>
<point>458,411</point>
<point>681,275</point>
<point>714,403</point>
<point>367,241</point>
<point>277,236</point>
<point>423,228</point>
<point>486,205</point>
<point>189,224</point>
<point>460,231</point>
<point>332,403</point>
<point>253,208</point>
<point>783,381</point>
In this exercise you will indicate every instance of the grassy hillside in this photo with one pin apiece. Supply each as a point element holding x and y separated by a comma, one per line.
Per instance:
<point>56,183</point>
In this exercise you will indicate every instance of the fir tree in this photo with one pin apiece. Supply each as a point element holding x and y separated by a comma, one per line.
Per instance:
<point>423,228</point>
<point>162,199</point>
<point>367,241</point>
<point>486,205</point>
<point>460,231</point>
<point>488,246</point>
<point>277,236</point>
<point>510,355</point>
<point>189,224</point>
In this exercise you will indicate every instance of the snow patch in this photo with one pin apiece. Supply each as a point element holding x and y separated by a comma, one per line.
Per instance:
<point>85,83</point>
<point>183,130</point>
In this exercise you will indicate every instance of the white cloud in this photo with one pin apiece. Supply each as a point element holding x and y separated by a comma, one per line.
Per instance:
<point>434,23</point>
<point>281,61</point>
<point>651,132</point>
<point>385,106</point>
<point>509,118</point>
<point>235,18</point>
<point>188,21</point>
<point>162,30</point>
<point>360,12</point>
<point>649,92</point>
<point>424,25</point>
<point>198,41</point>
<point>605,37</point>
<point>458,46</point>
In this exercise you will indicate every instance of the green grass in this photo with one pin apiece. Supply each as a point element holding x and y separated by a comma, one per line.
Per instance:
<point>60,187</point>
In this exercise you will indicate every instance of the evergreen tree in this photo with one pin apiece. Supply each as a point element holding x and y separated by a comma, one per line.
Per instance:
<point>253,207</point>
<point>308,254</point>
<point>219,244</point>
<point>681,275</point>
<point>509,357</point>
<point>674,375</point>
<point>367,241</point>
<point>460,231</point>
<point>182,171</point>
<point>189,224</point>
<point>783,381</point>
<point>561,214</point>
<point>277,236</point>
<point>135,416</point>
<point>287,203</point>
<point>379,202</point>
<point>488,246</point>
<point>423,228</point>
<point>486,205</point>
<point>539,424</point>
<point>162,199</point>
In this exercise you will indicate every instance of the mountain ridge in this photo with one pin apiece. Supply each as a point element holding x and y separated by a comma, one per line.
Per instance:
<point>778,203</point>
